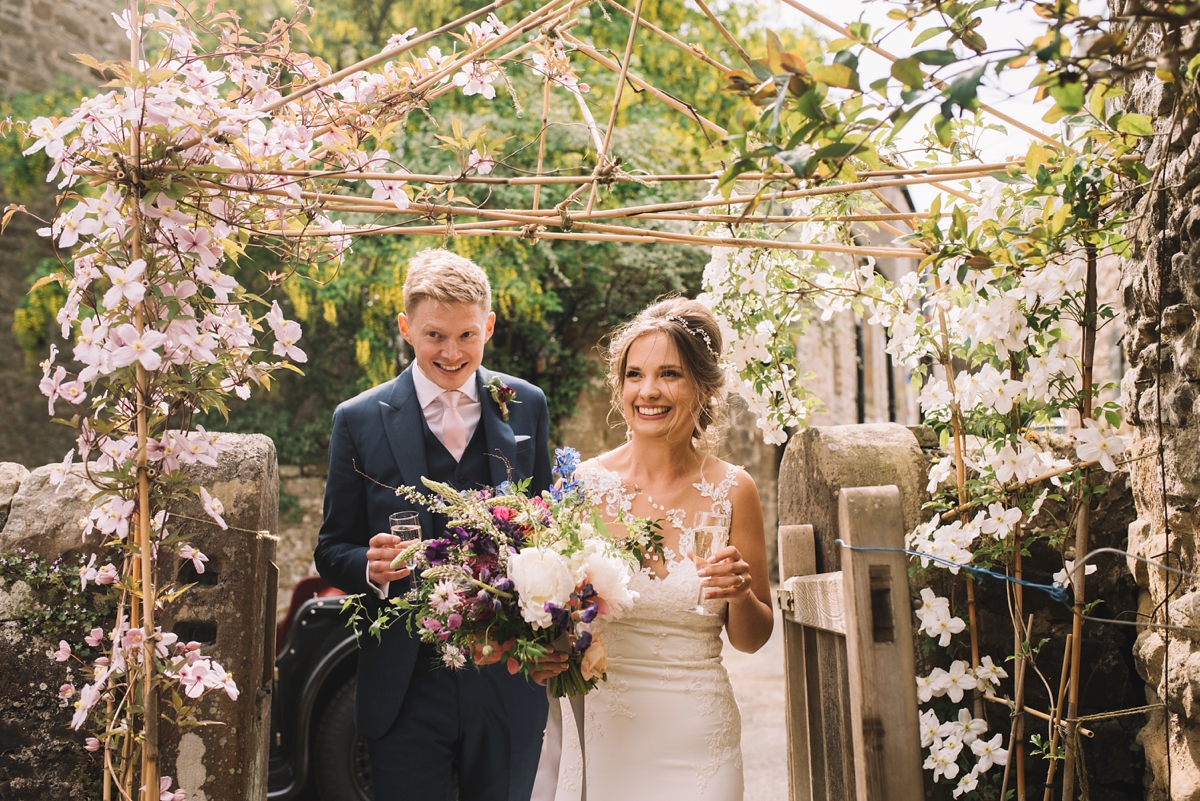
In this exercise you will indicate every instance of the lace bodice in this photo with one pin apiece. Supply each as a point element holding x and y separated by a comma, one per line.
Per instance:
<point>605,489</point>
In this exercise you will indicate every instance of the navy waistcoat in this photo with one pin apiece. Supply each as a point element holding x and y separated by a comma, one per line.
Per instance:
<point>469,473</point>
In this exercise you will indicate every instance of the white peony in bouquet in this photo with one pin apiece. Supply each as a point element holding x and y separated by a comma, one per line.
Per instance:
<point>514,578</point>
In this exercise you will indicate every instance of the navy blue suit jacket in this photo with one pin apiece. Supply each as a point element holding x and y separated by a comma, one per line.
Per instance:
<point>379,437</point>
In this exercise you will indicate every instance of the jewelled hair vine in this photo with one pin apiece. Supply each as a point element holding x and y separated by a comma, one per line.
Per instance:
<point>696,332</point>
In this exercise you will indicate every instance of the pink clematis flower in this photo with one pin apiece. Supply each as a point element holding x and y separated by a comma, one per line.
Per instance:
<point>66,691</point>
<point>94,637</point>
<point>165,793</point>
<point>126,284</point>
<point>63,653</point>
<point>482,164</point>
<point>138,348</point>
<point>91,744</point>
<point>51,385</point>
<point>213,507</point>
<point>198,559</point>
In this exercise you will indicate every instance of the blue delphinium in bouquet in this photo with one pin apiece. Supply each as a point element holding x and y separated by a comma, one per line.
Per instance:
<point>516,577</point>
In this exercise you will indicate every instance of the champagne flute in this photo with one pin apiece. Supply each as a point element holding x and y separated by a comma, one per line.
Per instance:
<point>406,526</point>
<point>710,533</point>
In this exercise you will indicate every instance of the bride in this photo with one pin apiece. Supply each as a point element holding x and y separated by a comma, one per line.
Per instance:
<point>665,724</point>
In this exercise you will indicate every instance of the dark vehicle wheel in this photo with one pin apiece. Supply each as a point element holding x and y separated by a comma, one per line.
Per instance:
<point>343,770</point>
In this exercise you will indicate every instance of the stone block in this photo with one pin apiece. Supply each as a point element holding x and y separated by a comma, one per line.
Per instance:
<point>40,757</point>
<point>231,609</point>
<point>824,459</point>
<point>289,471</point>
<point>47,520</point>
<point>11,476</point>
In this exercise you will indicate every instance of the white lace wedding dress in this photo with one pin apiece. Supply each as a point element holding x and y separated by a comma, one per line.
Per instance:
<point>665,725</point>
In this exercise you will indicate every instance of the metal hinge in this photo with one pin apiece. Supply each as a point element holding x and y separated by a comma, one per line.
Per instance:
<point>785,601</point>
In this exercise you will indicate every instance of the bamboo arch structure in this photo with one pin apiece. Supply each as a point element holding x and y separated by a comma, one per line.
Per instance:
<point>579,217</point>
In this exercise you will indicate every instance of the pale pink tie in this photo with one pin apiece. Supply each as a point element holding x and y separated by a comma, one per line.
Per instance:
<point>454,430</point>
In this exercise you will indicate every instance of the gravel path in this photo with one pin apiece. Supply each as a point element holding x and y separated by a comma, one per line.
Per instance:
<point>758,684</point>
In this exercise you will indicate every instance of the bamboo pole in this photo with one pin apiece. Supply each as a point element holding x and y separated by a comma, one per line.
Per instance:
<point>1082,521</point>
<point>879,51</point>
<point>741,51</point>
<point>602,157</point>
<point>1018,709</point>
<point>960,466</point>
<point>541,160</point>
<point>693,50</point>
<point>950,172</point>
<point>149,777</point>
<point>1057,718</point>
<point>671,101</point>
<point>1017,739</point>
<point>633,235</point>
<point>628,211</point>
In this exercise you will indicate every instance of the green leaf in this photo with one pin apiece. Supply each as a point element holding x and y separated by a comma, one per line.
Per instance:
<point>908,71</point>
<point>836,150</point>
<point>928,34</point>
<point>810,105</point>
<point>937,58</point>
<point>1136,124</point>
<point>941,127</point>
<point>837,75</point>
<point>1193,68</point>
<point>963,89</point>
<point>1068,94</point>
<point>797,160</point>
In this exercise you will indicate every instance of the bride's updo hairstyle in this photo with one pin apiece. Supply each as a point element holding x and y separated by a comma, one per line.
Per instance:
<point>697,338</point>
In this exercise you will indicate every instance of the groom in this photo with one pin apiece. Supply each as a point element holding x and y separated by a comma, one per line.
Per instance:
<point>430,728</point>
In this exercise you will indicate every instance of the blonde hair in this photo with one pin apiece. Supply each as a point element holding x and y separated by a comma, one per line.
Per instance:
<point>697,337</point>
<point>445,277</point>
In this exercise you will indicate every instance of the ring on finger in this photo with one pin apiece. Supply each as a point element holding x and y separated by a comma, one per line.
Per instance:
<point>741,581</point>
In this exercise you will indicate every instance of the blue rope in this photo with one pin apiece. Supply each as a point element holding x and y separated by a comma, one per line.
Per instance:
<point>1056,591</point>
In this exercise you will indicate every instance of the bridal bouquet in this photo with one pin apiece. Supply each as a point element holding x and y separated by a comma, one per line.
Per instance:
<point>514,578</point>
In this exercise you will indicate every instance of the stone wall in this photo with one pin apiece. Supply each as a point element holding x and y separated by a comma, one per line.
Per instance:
<point>41,36</point>
<point>230,610</point>
<point>37,38</point>
<point>1162,398</point>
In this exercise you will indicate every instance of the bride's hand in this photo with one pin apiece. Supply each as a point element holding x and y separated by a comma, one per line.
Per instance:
<point>549,666</point>
<point>726,576</point>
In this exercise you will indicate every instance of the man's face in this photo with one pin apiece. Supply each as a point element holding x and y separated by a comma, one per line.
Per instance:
<point>448,339</point>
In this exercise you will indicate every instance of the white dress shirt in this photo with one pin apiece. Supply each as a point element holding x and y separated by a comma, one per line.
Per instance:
<point>429,396</point>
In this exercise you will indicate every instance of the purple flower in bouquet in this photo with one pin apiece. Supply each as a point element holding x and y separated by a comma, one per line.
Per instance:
<point>560,615</point>
<point>583,642</point>
<point>437,552</point>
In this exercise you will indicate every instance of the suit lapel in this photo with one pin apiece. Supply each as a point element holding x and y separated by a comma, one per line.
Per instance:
<point>403,425</point>
<point>501,443</point>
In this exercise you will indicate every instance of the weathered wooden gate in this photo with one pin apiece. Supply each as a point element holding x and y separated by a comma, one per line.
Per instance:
<point>852,716</point>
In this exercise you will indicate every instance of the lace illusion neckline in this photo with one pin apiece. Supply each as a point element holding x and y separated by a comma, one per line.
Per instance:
<point>605,487</point>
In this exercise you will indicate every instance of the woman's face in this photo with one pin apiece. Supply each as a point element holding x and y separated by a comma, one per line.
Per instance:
<point>657,396</point>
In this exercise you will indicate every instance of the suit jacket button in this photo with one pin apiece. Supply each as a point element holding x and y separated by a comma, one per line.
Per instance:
<point>461,479</point>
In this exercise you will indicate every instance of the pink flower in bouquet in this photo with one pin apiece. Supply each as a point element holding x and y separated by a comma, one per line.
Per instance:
<point>595,660</point>
<point>502,513</point>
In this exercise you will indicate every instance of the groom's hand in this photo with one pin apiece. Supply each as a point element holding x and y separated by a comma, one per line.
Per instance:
<point>381,550</point>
